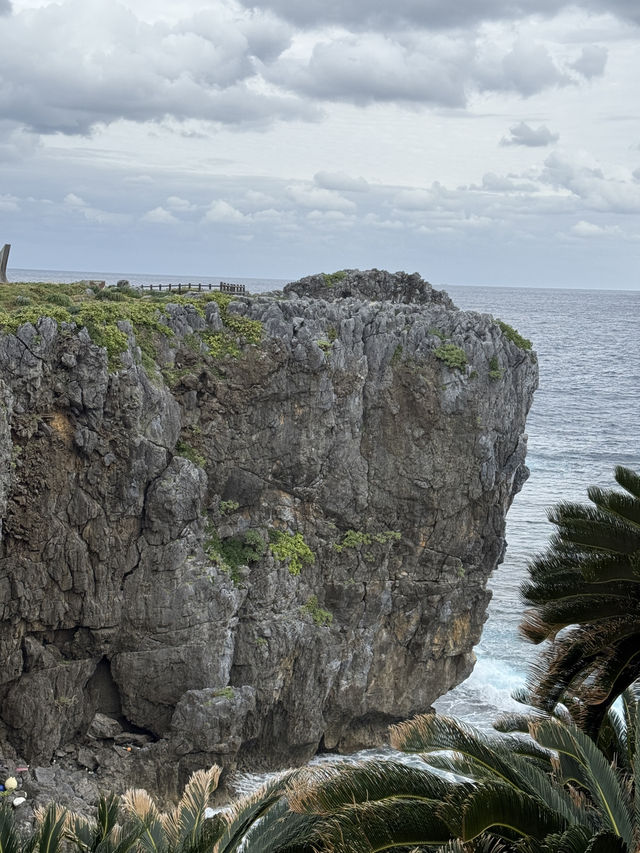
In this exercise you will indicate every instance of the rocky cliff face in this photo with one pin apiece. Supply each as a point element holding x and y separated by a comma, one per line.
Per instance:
<point>245,546</point>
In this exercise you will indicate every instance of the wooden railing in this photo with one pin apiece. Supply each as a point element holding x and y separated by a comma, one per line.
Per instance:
<point>223,287</point>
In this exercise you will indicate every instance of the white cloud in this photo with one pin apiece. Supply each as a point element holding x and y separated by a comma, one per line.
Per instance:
<point>523,134</point>
<point>592,61</point>
<point>8,202</point>
<point>589,230</point>
<point>223,212</point>
<point>99,62</point>
<point>317,198</point>
<point>76,204</point>
<point>589,184</point>
<point>341,182</point>
<point>177,203</point>
<point>160,216</point>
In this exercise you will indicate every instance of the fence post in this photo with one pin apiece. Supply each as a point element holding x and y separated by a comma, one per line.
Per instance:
<point>4,257</point>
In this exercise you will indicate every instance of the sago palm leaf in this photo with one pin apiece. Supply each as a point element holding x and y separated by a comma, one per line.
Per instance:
<point>184,824</point>
<point>323,790</point>
<point>142,811</point>
<point>595,773</point>
<point>384,825</point>
<point>594,629</point>
<point>51,829</point>
<point>239,820</point>
<point>502,808</point>
<point>484,756</point>
<point>629,480</point>
<point>10,841</point>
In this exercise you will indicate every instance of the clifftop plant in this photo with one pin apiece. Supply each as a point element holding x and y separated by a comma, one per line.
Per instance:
<point>100,312</point>
<point>452,355</point>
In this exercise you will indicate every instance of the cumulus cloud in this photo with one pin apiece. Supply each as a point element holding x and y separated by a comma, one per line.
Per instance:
<point>222,212</point>
<point>524,134</point>
<point>420,67</point>
<point>98,62</point>
<point>375,67</point>
<point>592,61</point>
<point>341,182</point>
<point>591,186</point>
<point>78,205</point>
<point>590,229</point>
<point>160,216</point>
<point>317,198</point>
<point>177,203</point>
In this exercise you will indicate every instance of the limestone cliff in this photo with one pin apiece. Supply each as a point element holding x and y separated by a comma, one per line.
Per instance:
<point>251,540</point>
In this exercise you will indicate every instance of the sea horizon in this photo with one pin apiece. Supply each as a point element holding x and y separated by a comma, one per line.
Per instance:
<point>69,276</point>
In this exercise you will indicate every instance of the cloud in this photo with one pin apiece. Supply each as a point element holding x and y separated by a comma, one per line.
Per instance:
<point>222,212</point>
<point>431,14</point>
<point>317,198</point>
<point>98,62</point>
<point>8,202</point>
<point>78,205</point>
<point>341,182</point>
<point>160,216</point>
<point>5,7</point>
<point>588,183</point>
<point>375,67</point>
<point>523,134</point>
<point>589,230</point>
<point>177,203</point>
<point>592,61</point>
<point>527,68</point>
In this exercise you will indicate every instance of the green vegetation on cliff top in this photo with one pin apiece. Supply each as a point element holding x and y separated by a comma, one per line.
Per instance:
<point>100,311</point>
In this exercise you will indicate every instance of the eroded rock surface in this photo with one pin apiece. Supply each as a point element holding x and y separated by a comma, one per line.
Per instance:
<point>142,510</point>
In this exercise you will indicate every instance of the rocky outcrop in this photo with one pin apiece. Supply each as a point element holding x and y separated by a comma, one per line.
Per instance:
<point>243,552</point>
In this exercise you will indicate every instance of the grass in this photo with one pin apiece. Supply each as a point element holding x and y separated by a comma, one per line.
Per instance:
<point>100,311</point>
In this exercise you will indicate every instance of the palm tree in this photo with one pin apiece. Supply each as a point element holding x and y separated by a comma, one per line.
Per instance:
<point>585,598</point>
<point>553,791</point>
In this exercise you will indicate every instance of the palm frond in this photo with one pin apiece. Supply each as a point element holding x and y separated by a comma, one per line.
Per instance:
<point>51,829</point>
<point>616,503</point>
<point>323,790</point>
<point>629,480</point>
<point>183,823</point>
<point>433,733</point>
<point>607,842</point>
<point>141,810</point>
<point>239,819</point>
<point>598,776</point>
<point>10,841</point>
<point>502,807</point>
<point>384,825</point>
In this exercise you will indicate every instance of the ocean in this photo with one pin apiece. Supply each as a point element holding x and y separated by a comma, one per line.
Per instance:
<point>585,420</point>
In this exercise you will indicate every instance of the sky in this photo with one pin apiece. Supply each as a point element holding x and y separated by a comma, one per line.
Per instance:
<point>477,142</point>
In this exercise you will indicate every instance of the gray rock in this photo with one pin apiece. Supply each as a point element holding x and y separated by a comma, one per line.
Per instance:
<point>135,586</point>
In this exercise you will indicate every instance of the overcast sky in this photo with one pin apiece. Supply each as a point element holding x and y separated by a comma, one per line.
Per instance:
<point>475,141</point>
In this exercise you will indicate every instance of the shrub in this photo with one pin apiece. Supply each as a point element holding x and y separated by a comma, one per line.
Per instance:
<point>292,549</point>
<point>512,335</point>
<point>452,356</point>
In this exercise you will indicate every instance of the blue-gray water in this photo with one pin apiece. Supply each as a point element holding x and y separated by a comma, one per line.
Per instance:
<point>585,420</point>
